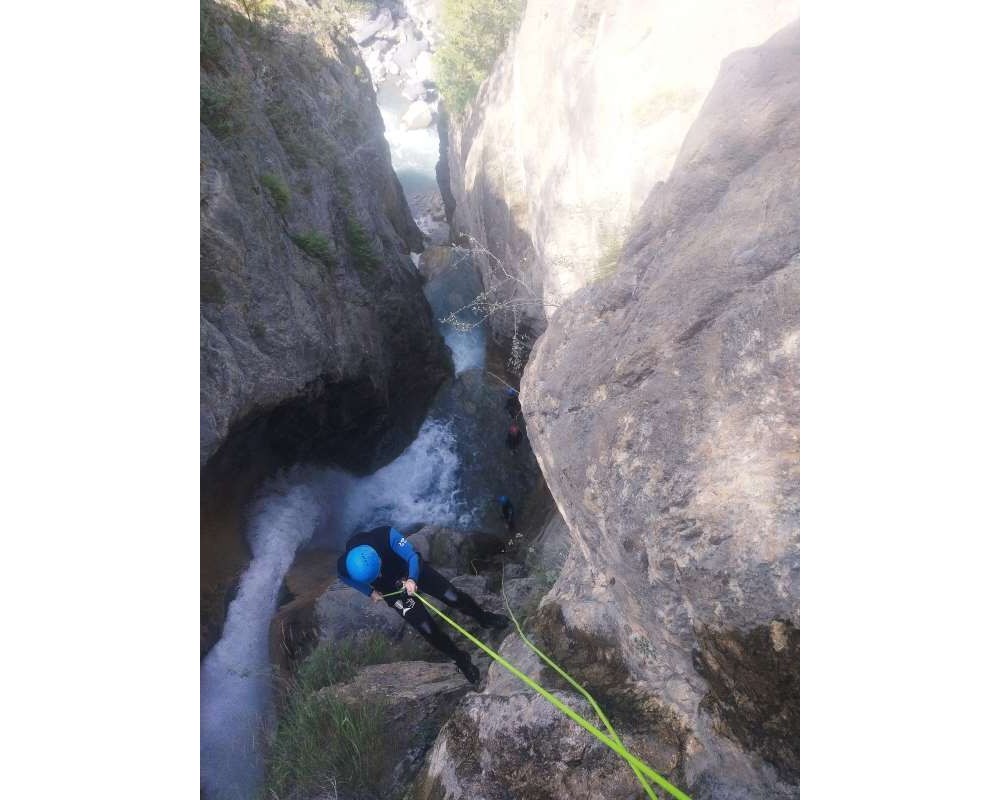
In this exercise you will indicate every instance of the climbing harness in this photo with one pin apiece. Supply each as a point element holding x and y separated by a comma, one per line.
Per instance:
<point>612,743</point>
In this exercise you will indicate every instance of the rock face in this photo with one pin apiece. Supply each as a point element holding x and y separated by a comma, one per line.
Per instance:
<point>581,116</point>
<point>663,407</point>
<point>313,325</point>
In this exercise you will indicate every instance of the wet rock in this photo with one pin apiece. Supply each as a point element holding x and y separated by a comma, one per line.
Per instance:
<point>663,406</point>
<point>753,679</point>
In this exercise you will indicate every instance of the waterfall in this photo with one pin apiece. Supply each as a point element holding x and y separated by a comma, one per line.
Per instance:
<point>321,506</point>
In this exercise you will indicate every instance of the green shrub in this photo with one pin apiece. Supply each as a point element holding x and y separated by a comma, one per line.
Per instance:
<point>211,43</point>
<point>223,105</point>
<point>255,10</point>
<point>361,246</point>
<point>475,32</point>
<point>316,245</point>
<point>279,191</point>
<point>211,290</point>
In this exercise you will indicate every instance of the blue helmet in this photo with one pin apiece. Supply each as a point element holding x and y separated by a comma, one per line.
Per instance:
<point>502,499</point>
<point>363,563</point>
<point>511,392</point>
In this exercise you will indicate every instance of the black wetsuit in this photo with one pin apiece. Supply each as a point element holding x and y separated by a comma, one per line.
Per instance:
<point>513,406</point>
<point>397,557</point>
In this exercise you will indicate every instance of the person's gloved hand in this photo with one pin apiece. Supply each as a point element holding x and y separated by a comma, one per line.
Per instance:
<point>410,585</point>
<point>376,595</point>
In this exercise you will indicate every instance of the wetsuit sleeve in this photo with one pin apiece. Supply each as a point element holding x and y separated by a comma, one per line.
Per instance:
<point>405,551</point>
<point>364,588</point>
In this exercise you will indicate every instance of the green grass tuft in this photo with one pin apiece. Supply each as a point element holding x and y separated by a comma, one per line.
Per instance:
<point>361,246</point>
<point>319,738</point>
<point>315,244</point>
<point>279,191</point>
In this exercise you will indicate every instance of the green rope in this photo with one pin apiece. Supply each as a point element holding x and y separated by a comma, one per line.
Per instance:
<point>593,703</point>
<point>634,762</point>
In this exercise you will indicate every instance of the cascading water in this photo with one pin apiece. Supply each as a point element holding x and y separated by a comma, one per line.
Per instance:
<point>236,675</point>
<point>323,506</point>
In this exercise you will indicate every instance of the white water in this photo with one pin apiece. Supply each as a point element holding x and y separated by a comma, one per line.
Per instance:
<point>325,505</point>
<point>422,485</point>
<point>468,350</point>
<point>235,675</point>
<point>412,150</point>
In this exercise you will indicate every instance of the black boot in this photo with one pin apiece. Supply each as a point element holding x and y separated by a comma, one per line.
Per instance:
<point>491,620</point>
<point>468,669</point>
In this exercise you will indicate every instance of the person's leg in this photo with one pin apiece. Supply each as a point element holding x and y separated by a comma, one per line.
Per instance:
<point>420,619</point>
<point>437,585</point>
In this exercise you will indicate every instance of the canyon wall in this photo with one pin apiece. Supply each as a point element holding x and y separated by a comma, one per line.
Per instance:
<point>662,403</point>
<point>314,330</point>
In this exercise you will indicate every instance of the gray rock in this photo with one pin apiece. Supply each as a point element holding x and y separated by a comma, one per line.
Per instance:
<point>368,31</point>
<point>418,115</point>
<point>663,407</point>
<point>496,747</point>
<point>416,698</point>
<point>328,342</point>
<point>413,90</point>
<point>342,611</point>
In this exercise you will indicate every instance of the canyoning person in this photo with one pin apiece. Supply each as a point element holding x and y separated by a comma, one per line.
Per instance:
<point>514,436</point>
<point>506,510</point>
<point>380,561</point>
<point>513,404</point>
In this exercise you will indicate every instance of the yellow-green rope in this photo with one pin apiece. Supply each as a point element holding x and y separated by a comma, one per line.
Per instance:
<point>617,747</point>
<point>593,703</point>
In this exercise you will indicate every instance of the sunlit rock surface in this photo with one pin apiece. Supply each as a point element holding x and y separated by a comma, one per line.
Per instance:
<point>662,403</point>
<point>582,115</point>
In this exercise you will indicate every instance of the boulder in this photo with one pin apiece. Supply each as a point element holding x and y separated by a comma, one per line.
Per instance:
<point>423,66</point>
<point>415,698</point>
<point>496,747</point>
<point>366,32</point>
<point>418,115</point>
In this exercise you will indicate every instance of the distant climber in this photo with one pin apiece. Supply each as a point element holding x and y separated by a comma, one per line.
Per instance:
<point>379,561</point>
<point>513,404</point>
<point>514,436</point>
<point>506,510</point>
